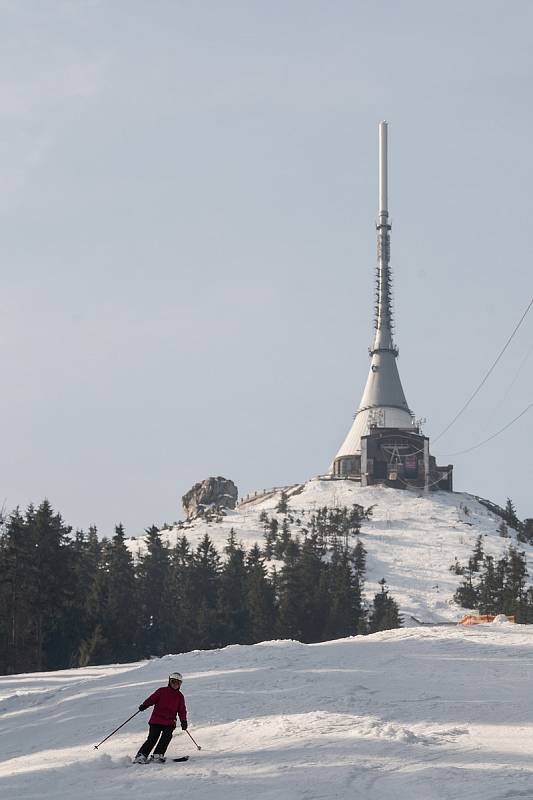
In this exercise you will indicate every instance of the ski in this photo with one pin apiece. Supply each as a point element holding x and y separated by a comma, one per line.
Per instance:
<point>152,761</point>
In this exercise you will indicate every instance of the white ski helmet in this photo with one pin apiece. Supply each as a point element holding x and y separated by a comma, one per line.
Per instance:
<point>175,676</point>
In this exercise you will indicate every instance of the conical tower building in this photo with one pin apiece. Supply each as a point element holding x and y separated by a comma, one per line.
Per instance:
<point>384,444</point>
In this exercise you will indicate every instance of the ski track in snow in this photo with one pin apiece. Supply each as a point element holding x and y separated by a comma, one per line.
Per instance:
<point>422,713</point>
<point>416,713</point>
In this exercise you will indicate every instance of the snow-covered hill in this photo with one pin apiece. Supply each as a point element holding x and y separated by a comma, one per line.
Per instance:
<point>415,714</point>
<point>411,539</point>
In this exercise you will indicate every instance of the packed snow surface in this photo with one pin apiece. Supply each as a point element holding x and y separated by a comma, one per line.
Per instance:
<point>441,713</point>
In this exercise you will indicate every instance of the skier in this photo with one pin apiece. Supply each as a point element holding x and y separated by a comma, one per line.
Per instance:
<point>168,703</point>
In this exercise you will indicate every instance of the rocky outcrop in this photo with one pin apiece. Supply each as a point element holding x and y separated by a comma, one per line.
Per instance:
<point>210,497</point>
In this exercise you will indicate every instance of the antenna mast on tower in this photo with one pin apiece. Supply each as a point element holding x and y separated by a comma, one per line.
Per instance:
<point>383,321</point>
<point>383,398</point>
<point>384,443</point>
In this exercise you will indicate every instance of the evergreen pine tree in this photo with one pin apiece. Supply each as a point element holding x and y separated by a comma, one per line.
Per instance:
<point>345,613</point>
<point>54,585</point>
<point>205,580</point>
<point>290,595</point>
<point>488,591</point>
<point>385,612</point>
<point>527,617</point>
<point>120,621</point>
<point>157,611</point>
<point>312,590</point>
<point>477,555</point>
<point>206,567</point>
<point>510,515</point>
<point>515,583</point>
<point>18,597</point>
<point>86,555</point>
<point>466,594</point>
<point>500,573</point>
<point>259,598</point>
<point>271,535</point>
<point>183,596</point>
<point>359,560</point>
<point>232,606</point>
<point>282,539</point>
<point>283,505</point>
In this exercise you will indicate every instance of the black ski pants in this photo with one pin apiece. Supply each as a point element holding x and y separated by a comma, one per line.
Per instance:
<point>161,732</point>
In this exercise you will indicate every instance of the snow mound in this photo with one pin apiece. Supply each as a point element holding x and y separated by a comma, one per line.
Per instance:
<point>500,619</point>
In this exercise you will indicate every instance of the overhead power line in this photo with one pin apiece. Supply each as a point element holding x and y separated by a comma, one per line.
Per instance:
<point>474,447</point>
<point>514,380</point>
<point>502,351</point>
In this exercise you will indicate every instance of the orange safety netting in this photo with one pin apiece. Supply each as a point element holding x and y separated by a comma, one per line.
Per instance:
<point>478,619</point>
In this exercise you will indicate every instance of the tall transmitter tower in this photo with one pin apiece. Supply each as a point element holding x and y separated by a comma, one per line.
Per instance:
<point>385,444</point>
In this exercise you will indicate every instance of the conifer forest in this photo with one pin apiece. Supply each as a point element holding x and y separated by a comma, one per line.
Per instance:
<point>495,586</point>
<point>71,599</point>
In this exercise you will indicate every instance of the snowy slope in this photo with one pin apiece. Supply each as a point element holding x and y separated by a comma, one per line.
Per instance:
<point>411,539</point>
<point>415,714</point>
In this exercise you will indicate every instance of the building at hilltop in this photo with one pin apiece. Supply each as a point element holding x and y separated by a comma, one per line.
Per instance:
<point>385,443</point>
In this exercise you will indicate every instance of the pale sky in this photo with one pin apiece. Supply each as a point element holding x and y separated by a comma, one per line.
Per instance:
<point>188,199</point>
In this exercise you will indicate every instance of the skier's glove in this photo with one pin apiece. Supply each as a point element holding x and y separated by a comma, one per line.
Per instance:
<point>142,707</point>
<point>183,724</point>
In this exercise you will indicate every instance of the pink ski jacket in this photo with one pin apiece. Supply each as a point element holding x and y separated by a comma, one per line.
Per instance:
<point>168,704</point>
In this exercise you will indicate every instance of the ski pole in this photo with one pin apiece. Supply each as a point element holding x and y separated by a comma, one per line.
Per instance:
<point>196,743</point>
<point>116,729</point>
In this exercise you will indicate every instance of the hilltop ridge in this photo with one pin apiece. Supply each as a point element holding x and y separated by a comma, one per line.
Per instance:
<point>411,538</point>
